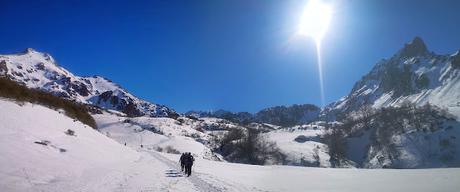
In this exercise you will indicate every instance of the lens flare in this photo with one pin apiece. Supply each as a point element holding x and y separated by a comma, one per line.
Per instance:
<point>314,23</point>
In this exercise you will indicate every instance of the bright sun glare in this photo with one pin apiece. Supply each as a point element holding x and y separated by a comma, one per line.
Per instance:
<point>315,20</point>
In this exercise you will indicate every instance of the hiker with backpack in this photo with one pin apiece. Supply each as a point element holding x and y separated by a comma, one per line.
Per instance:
<point>182,162</point>
<point>188,159</point>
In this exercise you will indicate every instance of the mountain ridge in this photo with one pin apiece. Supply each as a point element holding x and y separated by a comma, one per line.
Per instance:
<point>40,71</point>
<point>413,74</point>
<point>277,115</point>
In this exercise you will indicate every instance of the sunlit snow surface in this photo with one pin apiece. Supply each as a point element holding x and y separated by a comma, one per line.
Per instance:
<point>93,161</point>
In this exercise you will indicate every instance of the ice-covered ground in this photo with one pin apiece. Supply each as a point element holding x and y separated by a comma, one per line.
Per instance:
<point>92,161</point>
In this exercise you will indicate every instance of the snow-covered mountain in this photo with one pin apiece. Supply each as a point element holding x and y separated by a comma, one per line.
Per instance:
<point>279,115</point>
<point>40,71</point>
<point>413,74</point>
<point>387,121</point>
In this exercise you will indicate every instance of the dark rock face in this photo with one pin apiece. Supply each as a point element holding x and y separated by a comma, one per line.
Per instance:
<point>172,115</point>
<point>80,88</point>
<point>131,110</point>
<point>28,50</point>
<point>3,68</point>
<point>108,96</point>
<point>397,79</point>
<point>17,74</point>
<point>40,66</point>
<point>126,105</point>
<point>105,96</point>
<point>414,48</point>
<point>455,61</point>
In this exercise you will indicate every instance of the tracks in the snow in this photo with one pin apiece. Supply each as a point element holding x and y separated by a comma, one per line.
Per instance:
<point>199,183</point>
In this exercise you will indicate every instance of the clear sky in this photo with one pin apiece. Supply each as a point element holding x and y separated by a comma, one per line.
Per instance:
<point>238,55</point>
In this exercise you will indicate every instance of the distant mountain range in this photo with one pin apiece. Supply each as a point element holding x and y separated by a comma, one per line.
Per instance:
<point>413,74</point>
<point>279,115</point>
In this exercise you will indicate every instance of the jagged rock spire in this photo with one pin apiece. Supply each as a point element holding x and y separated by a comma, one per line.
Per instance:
<point>414,48</point>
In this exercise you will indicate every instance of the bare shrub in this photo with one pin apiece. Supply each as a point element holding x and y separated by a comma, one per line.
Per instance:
<point>70,132</point>
<point>170,149</point>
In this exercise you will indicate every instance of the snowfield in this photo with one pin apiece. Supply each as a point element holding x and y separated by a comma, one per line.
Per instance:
<point>88,161</point>
<point>300,145</point>
<point>154,133</point>
<point>91,161</point>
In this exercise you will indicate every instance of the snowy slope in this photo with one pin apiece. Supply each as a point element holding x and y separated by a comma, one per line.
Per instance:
<point>301,145</point>
<point>196,136</point>
<point>39,70</point>
<point>154,133</point>
<point>414,149</point>
<point>413,75</point>
<point>88,161</point>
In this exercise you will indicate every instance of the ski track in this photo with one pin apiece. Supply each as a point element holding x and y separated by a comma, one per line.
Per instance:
<point>195,178</point>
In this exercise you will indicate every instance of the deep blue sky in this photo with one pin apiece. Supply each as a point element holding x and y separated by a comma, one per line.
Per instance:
<point>235,55</point>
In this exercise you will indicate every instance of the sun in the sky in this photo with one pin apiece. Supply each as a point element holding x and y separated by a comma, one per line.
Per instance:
<point>315,19</point>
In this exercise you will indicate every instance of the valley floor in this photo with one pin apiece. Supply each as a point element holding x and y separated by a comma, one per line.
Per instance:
<point>222,176</point>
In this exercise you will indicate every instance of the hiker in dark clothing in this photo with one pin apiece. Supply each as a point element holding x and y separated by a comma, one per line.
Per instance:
<point>182,161</point>
<point>188,163</point>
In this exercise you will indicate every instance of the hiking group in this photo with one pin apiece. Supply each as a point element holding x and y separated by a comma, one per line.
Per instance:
<point>186,163</point>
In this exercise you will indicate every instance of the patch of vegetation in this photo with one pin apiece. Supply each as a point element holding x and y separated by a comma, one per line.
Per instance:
<point>383,124</point>
<point>12,90</point>
<point>301,139</point>
<point>248,146</point>
<point>168,149</point>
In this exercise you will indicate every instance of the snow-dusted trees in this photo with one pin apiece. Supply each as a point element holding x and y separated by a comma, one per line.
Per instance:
<point>336,140</point>
<point>248,146</point>
<point>384,126</point>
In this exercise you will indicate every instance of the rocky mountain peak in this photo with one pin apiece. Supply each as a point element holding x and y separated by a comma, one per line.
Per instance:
<point>414,48</point>
<point>412,75</point>
<point>29,50</point>
<point>39,70</point>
